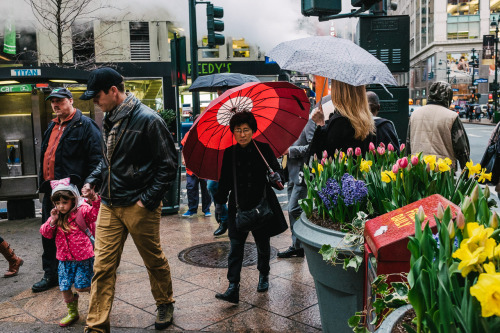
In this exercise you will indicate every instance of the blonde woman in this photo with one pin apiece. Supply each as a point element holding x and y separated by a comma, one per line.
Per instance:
<point>350,126</point>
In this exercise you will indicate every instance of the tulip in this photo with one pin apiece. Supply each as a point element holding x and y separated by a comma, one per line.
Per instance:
<point>357,151</point>
<point>395,168</point>
<point>494,221</point>
<point>475,194</point>
<point>382,145</point>
<point>349,151</point>
<point>390,147</point>
<point>371,146</point>
<point>381,150</point>
<point>460,220</point>
<point>487,192</point>
<point>403,163</point>
<point>323,160</point>
<point>428,168</point>
<point>414,160</point>
<point>451,229</point>
<point>325,154</point>
<point>421,214</point>
<point>330,160</point>
<point>440,211</point>
<point>402,147</point>
<point>336,152</point>
<point>315,157</point>
<point>466,204</point>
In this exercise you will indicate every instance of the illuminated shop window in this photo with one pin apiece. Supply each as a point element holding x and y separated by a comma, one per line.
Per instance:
<point>209,53</point>
<point>462,7</point>
<point>240,48</point>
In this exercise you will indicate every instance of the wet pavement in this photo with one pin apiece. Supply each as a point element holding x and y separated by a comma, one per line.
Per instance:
<point>290,305</point>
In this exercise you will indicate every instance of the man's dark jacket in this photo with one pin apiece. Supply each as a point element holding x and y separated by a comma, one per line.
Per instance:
<point>78,152</point>
<point>143,164</point>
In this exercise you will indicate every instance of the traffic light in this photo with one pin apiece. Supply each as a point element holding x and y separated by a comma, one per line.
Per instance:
<point>214,25</point>
<point>320,7</point>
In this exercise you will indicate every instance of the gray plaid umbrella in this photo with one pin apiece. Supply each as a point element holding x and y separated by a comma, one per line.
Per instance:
<point>334,58</point>
<point>221,80</point>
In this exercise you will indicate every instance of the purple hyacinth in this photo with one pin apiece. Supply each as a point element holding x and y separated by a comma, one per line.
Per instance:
<point>354,191</point>
<point>330,193</point>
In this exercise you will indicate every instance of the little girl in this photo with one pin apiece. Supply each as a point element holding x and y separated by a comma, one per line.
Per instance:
<point>74,247</point>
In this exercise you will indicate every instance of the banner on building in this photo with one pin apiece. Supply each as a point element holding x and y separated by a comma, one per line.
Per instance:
<point>9,41</point>
<point>488,50</point>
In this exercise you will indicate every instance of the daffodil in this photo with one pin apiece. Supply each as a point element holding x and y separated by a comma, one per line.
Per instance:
<point>448,161</point>
<point>431,160</point>
<point>473,169</point>
<point>469,260</point>
<point>443,166</point>
<point>365,165</point>
<point>487,291</point>
<point>388,176</point>
<point>320,169</point>
<point>484,176</point>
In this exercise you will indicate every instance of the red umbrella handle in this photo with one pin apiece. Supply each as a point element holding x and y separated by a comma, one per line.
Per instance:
<point>278,184</point>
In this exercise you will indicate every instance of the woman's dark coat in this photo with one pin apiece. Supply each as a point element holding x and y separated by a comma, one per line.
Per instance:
<point>251,180</point>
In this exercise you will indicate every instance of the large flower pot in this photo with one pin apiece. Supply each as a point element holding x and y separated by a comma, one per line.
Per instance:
<point>339,291</point>
<point>391,320</point>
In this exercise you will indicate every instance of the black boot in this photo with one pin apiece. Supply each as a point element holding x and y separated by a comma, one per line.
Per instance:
<point>263,283</point>
<point>222,229</point>
<point>232,293</point>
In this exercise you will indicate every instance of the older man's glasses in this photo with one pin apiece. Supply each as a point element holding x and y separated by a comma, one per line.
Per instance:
<point>242,130</point>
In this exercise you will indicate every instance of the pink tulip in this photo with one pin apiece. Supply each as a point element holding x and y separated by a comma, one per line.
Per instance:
<point>349,151</point>
<point>382,145</point>
<point>402,147</point>
<point>461,220</point>
<point>357,151</point>
<point>390,147</point>
<point>371,146</point>
<point>414,160</point>
<point>323,160</point>
<point>381,150</point>
<point>395,168</point>
<point>325,154</point>
<point>403,163</point>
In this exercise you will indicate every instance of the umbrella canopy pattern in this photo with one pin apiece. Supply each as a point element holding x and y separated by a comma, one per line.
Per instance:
<point>334,58</point>
<point>280,108</point>
<point>221,80</point>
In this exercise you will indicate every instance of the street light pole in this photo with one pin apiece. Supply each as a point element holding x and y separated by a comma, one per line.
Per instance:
<point>473,62</point>
<point>495,81</point>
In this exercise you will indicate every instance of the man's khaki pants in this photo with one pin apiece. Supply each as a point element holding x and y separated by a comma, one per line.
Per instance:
<point>113,226</point>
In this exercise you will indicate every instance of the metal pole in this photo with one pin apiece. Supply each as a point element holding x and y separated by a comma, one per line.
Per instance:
<point>495,82</point>
<point>473,90</point>
<point>194,55</point>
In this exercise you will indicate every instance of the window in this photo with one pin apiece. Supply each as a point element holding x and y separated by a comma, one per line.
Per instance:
<point>83,44</point>
<point>463,7</point>
<point>209,53</point>
<point>139,41</point>
<point>463,27</point>
<point>240,48</point>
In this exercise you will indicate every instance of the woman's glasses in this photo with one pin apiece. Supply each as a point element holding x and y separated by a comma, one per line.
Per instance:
<point>244,130</point>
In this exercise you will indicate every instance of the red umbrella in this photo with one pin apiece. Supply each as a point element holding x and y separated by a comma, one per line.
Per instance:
<point>280,108</point>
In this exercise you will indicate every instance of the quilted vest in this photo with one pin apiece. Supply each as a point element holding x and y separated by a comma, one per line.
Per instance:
<point>430,131</point>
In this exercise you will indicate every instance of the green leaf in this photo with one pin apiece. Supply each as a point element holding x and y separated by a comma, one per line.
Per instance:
<point>408,328</point>
<point>354,262</point>
<point>328,252</point>
<point>354,320</point>
<point>400,288</point>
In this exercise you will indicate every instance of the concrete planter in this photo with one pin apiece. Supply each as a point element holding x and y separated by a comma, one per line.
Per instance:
<point>393,318</point>
<point>339,291</point>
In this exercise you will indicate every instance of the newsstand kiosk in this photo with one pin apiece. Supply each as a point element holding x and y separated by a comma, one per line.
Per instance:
<point>386,241</point>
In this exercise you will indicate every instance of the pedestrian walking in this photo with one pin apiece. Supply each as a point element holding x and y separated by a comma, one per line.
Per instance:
<point>72,225</point>
<point>296,189</point>
<point>138,167</point>
<point>244,179</point>
<point>221,215</point>
<point>436,130</point>
<point>350,126</point>
<point>385,129</point>
<point>14,261</point>
<point>71,147</point>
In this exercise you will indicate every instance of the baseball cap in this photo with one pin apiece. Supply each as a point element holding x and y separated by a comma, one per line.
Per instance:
<point>101,79</point>
<point>60,93</point>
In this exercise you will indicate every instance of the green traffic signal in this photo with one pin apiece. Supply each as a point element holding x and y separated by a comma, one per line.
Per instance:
<point>214,25</point>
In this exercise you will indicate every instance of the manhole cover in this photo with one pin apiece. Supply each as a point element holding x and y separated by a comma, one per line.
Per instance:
<point>215,255</point>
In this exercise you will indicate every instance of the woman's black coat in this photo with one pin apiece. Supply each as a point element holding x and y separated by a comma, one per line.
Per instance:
<point>251,180</point>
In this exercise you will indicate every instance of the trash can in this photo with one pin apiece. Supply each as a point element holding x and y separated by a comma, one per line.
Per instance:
<point>172,197</point>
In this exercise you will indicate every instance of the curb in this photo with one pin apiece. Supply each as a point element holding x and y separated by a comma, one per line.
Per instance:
<point>480,123</point>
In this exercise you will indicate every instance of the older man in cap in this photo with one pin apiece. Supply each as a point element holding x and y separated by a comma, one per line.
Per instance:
<point>436,130</point>
<point>139,165</point>
<point>71,147</point>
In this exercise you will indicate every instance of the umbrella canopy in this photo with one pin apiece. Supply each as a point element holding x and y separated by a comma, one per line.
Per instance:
<point>221,80</point>
<point>334,58</point>
<point>280,109</point>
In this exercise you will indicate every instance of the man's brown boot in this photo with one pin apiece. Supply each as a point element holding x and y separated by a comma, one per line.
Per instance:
<point>14,261</point>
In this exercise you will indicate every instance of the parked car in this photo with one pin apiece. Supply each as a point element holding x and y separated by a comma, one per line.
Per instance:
<point>484,110</point>
<point>460,110</point>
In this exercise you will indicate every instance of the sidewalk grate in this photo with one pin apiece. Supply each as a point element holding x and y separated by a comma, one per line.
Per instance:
<point>214,255</point>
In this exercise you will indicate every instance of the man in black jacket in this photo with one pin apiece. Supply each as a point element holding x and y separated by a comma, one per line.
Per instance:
<point>139,165</point>
<point>71,147</point>
<point>386,131</point>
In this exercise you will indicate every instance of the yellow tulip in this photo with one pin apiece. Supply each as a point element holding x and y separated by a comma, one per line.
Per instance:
<point>487,291</point>
<point>484,176</point>
<point>365,165</point>
<point>431,160</point>
<point>320,169</point>
<point>473,169</point>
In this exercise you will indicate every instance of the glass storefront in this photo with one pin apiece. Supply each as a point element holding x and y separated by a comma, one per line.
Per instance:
<point>150,92</point>
<point>241,49</point>
<point>463,7</point>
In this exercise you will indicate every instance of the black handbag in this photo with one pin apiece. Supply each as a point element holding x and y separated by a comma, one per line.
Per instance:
<point>251,219</point>
<point>491,162</point>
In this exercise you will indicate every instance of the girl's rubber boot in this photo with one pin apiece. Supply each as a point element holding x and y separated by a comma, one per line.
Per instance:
<point>72,313</point>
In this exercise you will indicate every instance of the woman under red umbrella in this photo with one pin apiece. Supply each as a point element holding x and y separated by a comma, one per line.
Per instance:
<point>246,187</point>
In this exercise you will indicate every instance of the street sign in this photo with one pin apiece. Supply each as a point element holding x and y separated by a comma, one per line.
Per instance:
<point>299,78</point>
<point>481,80</point>
<point>472,87</point>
